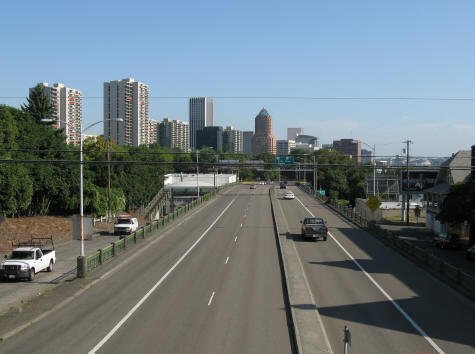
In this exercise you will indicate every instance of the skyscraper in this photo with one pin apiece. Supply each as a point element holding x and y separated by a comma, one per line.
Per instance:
<point>264,139</point>
<point>247,142</point>
<point>211,137</point>
<point>200,115</point>
<point>292,133</point>
<point>67,114</point>
<point>129,100</point>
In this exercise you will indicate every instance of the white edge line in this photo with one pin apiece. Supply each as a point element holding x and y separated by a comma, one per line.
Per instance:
<point>395,304</point>
<point>211,299</point>
<point>227,260</point>
<point>157,284</point>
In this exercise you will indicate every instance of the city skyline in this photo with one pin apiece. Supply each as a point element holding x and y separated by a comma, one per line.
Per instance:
<point>319,50</point>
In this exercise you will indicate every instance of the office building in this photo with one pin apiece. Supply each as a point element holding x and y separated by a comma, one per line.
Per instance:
<point>284,147</point>
<point>174,134</point>
<point>67,110</point>
<point>349,147</point>
<point>264,139</point>
<point>307,139</point>
<point>247,142</point>
<point>211,137</point>
<point>292,133</point>
<point>200,116</point>
<point>129,100</point>
<point>232,140</point>
<point>366,156</point>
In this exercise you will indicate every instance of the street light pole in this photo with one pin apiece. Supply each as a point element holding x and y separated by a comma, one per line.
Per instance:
<point>81,190</point>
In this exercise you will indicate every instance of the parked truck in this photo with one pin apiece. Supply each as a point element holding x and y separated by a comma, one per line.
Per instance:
<point>29,258</point>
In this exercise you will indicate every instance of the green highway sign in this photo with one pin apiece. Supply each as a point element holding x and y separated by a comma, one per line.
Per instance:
<point>284,160</point>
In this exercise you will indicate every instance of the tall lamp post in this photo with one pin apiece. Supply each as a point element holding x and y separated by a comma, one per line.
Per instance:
<point>81,190</point>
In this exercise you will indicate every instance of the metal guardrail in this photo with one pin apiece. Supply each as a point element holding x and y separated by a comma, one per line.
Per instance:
<point>437,265</point>
<point>91,262</point>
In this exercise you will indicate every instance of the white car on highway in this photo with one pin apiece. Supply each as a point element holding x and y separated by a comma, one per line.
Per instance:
<point>289,195</point>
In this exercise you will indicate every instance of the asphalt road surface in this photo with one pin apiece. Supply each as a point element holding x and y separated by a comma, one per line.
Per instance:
<point>424,316</point>
<point>212,285</point>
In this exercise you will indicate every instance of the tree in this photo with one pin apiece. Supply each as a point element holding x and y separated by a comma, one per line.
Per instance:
<point>456,206</point>
<point>16,189</point>
<point>38,104</point>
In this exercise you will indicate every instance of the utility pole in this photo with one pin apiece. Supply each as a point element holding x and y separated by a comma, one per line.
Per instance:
<point>314,174</point>
<point>408,177</point>
<point>109,214</point>
<point>197,174</point>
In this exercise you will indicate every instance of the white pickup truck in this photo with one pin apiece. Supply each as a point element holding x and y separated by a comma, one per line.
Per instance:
<point>28,259</point>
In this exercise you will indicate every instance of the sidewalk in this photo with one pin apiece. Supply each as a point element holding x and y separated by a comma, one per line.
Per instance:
<point>13,294</point>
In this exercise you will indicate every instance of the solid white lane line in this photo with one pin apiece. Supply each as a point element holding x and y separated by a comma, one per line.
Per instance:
<point>211,299</point>
<point>395,304</point>
<point>227,260</point>
<point>157,284</point>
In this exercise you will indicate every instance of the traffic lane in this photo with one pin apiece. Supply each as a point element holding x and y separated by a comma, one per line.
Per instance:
<point>418,292</point>
<point>173,317</point>
<point>375,324</point>
<point>102,306</point>
<point>248,311</point>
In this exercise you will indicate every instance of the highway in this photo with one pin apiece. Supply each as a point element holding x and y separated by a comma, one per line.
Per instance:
<point>345,295</point>
<point>212,285</point>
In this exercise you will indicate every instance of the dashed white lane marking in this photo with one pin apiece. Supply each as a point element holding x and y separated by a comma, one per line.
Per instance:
<point>241,225</point>
<point>235,239</point>
<point>227,260</point>
<point>157,284</point>
<point>211,299</point>
<point>395,304</point>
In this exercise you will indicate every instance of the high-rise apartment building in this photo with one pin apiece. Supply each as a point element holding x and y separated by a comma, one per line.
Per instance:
<point>153,129</point>
<point>247,142</point>
<point>264,139</point>
<point>174,134</point>
<point>284,147</point>
<point>350,147</point>
<point>129,100</point>
<point>200,115</point>
<point>292,133</point>
<point>366,156</point>
<point>67,110</point>
<point>232,140</point>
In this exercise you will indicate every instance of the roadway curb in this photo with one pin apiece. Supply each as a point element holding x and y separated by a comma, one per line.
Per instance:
<point>309,333</point>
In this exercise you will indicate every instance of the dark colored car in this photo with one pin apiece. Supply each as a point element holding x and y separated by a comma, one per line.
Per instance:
<point>282,185</point>
<point>445,240</point>
<point>470,252</point>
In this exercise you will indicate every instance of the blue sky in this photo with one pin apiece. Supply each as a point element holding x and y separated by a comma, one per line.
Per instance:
<point>262,48</point>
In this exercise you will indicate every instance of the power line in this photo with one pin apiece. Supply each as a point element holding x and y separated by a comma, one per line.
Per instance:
<point>297,98</point>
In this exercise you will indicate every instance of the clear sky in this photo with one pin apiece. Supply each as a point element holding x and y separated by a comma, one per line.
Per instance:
<point>422,48</point>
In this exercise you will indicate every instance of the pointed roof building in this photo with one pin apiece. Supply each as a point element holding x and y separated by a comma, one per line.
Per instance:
<point>264,139</point>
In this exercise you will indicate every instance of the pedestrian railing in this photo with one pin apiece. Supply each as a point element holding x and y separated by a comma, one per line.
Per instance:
<point>101,256</point>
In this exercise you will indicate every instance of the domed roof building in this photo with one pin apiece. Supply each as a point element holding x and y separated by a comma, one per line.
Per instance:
<point>264,139</point>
